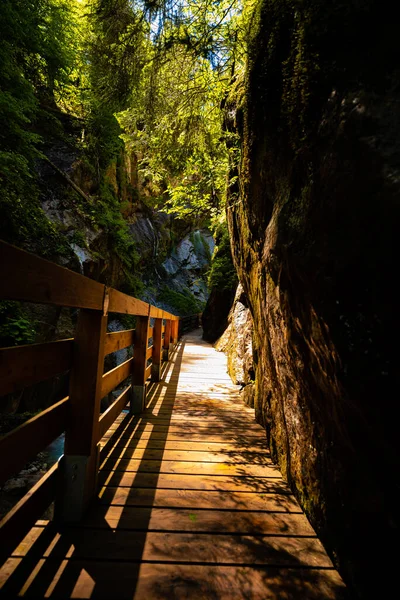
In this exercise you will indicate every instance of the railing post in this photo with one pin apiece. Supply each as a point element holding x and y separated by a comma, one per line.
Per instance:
<point>175,328</point>
<point>79,465</point>
<point>138,398</point>
<point>167,339</point>
<point>157,343</point>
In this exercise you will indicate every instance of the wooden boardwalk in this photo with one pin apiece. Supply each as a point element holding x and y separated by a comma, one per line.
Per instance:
<point>190,506</point>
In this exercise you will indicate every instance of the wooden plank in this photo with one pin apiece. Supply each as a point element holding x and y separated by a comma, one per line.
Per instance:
<point>196,483</point>
<point>20,519</point>
<point>33,279</point>
<point>24,442</point>
<point>202,422</point>
<point>149,352</point>
<point>150,332</point>
<point>179,430</point>
<point>187,446</point>
<point>199,468</point>
<point>199,520</point>
<point>159,581</point>
<point>109,416</point>
<point>118,341</point>
<point>147,372</point>
<point>243,457</point>
<point>25,365</point>
<point>191,548</point>
<point>113,378</point>
<point>271,502</point>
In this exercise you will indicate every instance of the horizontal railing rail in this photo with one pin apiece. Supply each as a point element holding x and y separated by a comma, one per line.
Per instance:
<point>28,278</point>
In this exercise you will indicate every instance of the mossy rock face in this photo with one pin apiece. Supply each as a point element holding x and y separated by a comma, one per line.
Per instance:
<point>313,222</point>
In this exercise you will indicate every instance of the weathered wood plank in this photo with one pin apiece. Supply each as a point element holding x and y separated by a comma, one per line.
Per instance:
<point>113,378</point>
<point>109,416</point>
<point>24,442</point>
<point>26,365</point>
<point>118,340</point>
<point>33,279</point>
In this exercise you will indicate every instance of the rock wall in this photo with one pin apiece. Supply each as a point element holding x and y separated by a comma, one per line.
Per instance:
<point>314,241</point>
<point>237,343</point>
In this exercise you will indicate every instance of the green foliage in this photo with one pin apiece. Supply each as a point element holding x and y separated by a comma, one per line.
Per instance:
<point>34,59</point>
<point>184,302</point>
<point>15,326</point>
<point>222,273</point>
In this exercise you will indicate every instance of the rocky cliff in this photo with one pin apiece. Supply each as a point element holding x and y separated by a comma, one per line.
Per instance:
<point>313,234</point>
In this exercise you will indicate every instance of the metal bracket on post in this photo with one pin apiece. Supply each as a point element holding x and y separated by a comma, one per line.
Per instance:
<point>138,399</point>
<point>77,485</point>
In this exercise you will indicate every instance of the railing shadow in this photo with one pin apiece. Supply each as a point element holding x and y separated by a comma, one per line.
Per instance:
<point>104,557</point>
<point>49,565</point>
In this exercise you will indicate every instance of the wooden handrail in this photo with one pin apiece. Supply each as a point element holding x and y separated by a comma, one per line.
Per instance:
<point>23,443</point>
<point>118,340</point>
<point>29,278</point>
<point>25,365</point>
<point>113,378</point>
<point>108,417</point>
<point>32,279</point>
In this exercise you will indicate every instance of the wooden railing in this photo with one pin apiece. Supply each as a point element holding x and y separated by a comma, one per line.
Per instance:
<point>189,323</point>
<point>72,482</point>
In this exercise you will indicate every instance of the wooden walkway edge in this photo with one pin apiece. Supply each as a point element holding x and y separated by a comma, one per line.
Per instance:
<point>190,506</point>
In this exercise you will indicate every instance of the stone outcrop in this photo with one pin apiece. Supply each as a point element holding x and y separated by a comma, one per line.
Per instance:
<point>188,262</point>
<point>315,244</point>
<point>236,342</point>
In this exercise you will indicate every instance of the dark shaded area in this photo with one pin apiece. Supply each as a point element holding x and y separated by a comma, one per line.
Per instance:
<point>315,246</point>
<point>215,314</point>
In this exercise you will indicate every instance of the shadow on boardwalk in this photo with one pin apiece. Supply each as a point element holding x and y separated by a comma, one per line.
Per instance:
<point>119,553</point>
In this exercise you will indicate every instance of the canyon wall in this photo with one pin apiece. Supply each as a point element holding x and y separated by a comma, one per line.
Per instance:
<point>313,222</point>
